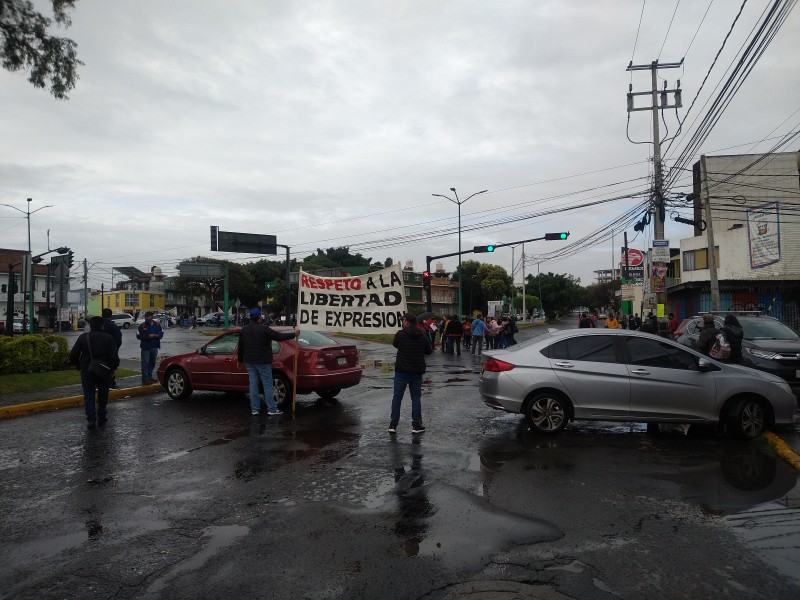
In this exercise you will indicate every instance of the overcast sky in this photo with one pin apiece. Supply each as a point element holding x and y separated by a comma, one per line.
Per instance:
<point>333,123</point>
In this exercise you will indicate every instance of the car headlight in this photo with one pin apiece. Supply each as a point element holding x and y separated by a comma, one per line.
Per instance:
<point>784,386</point>
<point>765,354</point>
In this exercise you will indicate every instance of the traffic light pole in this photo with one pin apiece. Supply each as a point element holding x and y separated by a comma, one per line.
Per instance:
<point>428,259</point>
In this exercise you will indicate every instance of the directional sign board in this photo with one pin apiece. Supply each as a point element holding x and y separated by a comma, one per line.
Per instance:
<point>248,243</point>
<point>190,269</point>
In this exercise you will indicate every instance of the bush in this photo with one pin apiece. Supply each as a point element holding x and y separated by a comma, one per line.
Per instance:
<point>30,354</point>
<point>60,355</point>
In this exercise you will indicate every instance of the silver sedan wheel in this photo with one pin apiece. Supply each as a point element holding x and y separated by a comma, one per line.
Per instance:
<point>748,419</point>
<point>546,414</point>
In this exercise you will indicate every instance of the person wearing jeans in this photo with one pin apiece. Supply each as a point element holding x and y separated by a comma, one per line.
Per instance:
<point>95,344</point>
<point>412,345</point>
<point>255,351</point>
<point>149,333</point>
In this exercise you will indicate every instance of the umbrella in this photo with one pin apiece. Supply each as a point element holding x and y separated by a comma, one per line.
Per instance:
<point>424,315</point>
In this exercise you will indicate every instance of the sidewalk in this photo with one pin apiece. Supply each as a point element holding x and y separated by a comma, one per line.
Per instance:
<point>373,354</point>
<point>16,405</point>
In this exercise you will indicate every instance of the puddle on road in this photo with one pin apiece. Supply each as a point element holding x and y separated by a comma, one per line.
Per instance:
<point>460,530</point>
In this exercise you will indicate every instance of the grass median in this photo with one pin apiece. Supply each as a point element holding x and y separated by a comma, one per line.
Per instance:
<point>20,383</point>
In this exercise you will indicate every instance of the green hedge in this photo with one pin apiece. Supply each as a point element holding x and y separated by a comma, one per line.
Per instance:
<point>33,354</point>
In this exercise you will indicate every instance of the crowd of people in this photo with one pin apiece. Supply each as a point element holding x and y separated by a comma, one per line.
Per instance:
<point>452,334</point>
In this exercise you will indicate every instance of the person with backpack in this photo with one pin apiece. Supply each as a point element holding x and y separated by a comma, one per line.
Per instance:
<point>732,330</point>
<point>708,335</point>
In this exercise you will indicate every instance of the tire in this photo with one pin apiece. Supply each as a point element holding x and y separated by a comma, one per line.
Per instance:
<point>329,393</point>
<point>126,325</point>
<point>177,384</point>
<point>748,419</point>
<point>546,413</point>
<point>281,390</point>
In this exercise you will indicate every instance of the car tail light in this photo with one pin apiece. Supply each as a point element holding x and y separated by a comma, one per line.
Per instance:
<point>318,361</point>
<point>497,365</point>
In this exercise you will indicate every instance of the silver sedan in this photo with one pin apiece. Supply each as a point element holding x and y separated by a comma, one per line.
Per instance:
<point>623,375</point>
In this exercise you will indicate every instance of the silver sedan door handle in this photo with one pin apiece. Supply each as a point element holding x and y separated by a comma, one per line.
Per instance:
<point>640,372</point>
<point>566,365</point>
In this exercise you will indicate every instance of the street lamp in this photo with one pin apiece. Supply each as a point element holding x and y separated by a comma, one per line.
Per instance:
<point>460,274</point>
<point>30,254</point>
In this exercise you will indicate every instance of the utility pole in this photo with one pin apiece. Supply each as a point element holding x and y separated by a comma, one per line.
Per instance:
<point>712,252</point>
<point>658,192</point>
<point>85,290</point>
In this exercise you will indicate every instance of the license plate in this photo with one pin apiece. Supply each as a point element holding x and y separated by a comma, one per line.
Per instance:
<point>342,361</point>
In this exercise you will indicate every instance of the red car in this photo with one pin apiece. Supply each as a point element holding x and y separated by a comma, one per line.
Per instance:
<point>323,366</point>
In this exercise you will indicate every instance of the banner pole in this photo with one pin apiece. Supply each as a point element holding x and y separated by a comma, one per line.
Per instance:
<point>294,387</point>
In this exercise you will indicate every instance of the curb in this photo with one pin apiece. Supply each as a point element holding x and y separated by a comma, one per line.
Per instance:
<point>784,450</point>
<point>30,408</point>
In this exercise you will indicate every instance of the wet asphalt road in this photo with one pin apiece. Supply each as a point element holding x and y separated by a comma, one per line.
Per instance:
<point>196,499</point>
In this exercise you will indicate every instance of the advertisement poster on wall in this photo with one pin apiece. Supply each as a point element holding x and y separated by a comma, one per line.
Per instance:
<point>764,234</point>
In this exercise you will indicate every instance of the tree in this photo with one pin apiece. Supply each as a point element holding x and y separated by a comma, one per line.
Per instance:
<point>471,292</point>
<point>495,281</point>
<point>603,294</point>
<point>27,44</point>
<point>559,293</point>
<point>240,282</point>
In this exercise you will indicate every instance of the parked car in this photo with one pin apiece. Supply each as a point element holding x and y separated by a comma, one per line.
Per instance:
<point>156,317</point>
<point>214,319</point>
<point>768,345</point>
<point>18,326</point>
<point>623,375</point>
<point>123,320</point>
<point>324,367</point>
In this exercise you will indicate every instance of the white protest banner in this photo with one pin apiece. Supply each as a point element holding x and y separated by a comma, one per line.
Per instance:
<point>371,303</point>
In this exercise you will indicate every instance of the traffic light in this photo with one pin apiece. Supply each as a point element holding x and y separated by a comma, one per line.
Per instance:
<point>561,235</point>
<point>70,259</point>
<point>489,248</point>
<point>426,280</point>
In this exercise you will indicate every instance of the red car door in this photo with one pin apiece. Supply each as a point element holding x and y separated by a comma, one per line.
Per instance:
<point>213,366</point>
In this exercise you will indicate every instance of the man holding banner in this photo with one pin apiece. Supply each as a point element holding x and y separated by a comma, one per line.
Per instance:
<point>255,351</point>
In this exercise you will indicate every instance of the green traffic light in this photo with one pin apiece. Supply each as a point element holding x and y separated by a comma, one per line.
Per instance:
<point>563,236</point>
<point>490,248</point>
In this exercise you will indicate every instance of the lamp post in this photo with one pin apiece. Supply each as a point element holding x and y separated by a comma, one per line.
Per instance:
<point>460,274</point>
<point>28,214</point>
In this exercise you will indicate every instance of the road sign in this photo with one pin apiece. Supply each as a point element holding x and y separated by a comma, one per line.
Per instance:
<point>269,285</point>
<point>248,243</point>
<point>191,269</point>
<point>660,251</point>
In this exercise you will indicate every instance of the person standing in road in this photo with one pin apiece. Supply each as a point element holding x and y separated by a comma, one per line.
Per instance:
<point>409,366</point>
<point>611,321</point>
<point>95,344</point>
<point>708,335</point>
<point>453,332</point>
<point>255,351</point>
<point>466,332</point>
<point>111,329</point>
<point>584,322</point>
<point>479,330</point>
<point>149,335</point>
<point>636,322</point>
<point>732,330</point>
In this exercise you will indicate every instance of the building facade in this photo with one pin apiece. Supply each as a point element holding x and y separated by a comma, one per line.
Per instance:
<point>755,223</point>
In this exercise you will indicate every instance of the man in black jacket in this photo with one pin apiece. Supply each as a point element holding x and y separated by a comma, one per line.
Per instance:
<point>111,329</point>
<point>255,351</point>
<point>412,345</point>
<point>100,345</point>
